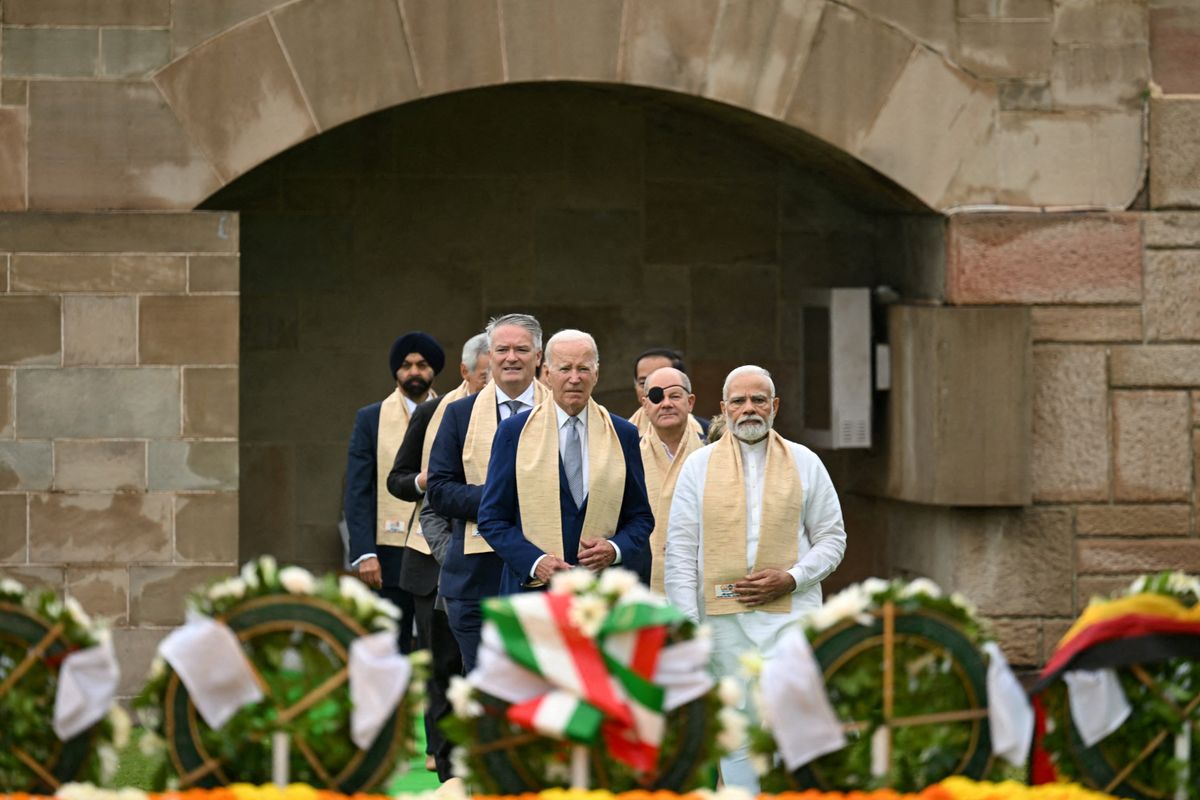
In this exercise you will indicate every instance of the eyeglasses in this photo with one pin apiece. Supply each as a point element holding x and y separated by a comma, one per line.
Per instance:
<point>658,394</point>
<point>757,400</point>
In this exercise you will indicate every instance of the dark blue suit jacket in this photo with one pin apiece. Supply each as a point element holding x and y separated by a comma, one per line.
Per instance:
<point>500,512</point>
<point>463,577</point>
<point>359,502</point>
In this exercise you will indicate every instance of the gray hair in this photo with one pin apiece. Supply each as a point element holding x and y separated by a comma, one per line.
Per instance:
<point>748,369</point>
<point>525,321</point>
<point>572,335</point>
<point>475,347</point>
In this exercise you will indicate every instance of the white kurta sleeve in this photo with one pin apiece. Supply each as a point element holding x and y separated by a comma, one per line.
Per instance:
<point>823,523</point>
<point>682,567</point>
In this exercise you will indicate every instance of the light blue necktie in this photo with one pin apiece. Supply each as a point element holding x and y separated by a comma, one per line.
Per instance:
<point>514,407</point>
<point>573,461</point>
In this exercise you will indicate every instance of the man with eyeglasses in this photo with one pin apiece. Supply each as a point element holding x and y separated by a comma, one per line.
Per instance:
<point>755,526</point>
<point>672,436</point>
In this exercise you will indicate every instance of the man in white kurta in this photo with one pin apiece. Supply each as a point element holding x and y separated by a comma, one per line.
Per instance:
<point>787,588</point>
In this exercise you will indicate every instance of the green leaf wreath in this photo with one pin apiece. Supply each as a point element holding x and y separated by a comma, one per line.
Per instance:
<point>929,677</point>
<point>293,658</point>
<point>28,743</point>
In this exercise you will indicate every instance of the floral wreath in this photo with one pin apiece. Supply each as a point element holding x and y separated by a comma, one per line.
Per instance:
<point>37,633</point>
<point>905,732</point>
<point>295,630</point>
<point>599,676</point>
<point>1148,637</point>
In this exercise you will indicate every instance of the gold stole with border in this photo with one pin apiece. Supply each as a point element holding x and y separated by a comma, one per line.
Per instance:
<point>392,514</point>
<point>661,474</point>
<point>416,538</point>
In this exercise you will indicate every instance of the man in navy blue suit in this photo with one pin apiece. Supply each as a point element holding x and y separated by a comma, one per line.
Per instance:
<point>377,521</point>
<point>565,484</point>
<point>458,464</point>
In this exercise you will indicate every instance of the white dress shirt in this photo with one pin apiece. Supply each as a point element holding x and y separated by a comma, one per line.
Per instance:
<point>821,536</point>
<point>526,397</point>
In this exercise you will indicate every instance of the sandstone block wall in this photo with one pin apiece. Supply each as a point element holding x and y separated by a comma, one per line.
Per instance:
<point>119,412</point>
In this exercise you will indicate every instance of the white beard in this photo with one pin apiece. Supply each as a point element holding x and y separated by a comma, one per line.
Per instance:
<point>751,429</point>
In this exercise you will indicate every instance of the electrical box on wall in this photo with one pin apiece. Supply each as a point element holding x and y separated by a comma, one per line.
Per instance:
<point>835,368</point>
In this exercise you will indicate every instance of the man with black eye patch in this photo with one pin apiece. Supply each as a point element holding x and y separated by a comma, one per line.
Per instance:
<point>672,435</point>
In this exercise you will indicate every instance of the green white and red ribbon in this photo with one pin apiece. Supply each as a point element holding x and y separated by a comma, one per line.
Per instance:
<point>568,685</point>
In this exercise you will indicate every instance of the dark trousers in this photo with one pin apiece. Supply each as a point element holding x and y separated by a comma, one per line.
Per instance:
<point>434,634</point>
<point>466,621</point>
<point>403,600</point>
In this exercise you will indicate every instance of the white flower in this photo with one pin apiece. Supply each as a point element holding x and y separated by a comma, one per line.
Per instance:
<point>386,607</point>
<point>461,695</point>
<point>151,744</point>
<point>131,794</point>
<point>250,574</point>
<point>356,591</point>
<point>733,729</point>
<point>1138,586</point>
<point>9,586</point>
<point>587,613</point>
<point>234,588</point>
<point>760,763</point>
<point>458,763</point>
<point>420,658</point>
<point>54,608</point>
<point>558,772</point>
<point>616,581</point>
<point>121,727</point>
<point>150,716</point>
<point>752,663</point>
<point>76,612</point>
<point>874,586</point>
<point>760,705</point>
<point>573,581</point>
<point>269,569</point>
<point>729,690</point>
<point>297,580</point>
<point>1180,583</point>
<point>158,668</point>
<point>961,600</point>
<point>109,761</point>
<point>921,586</point>
<point>851,602</point>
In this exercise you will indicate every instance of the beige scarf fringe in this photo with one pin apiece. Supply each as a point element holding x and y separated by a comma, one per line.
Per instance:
<point>724,511</point>
<point>538,477</point>
<point>661,474</point>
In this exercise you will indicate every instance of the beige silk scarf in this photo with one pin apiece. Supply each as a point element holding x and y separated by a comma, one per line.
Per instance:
<point>724,509</point>
<point>416,538</point>
<point>477,452</point>
<point>661,474</point>
<point>391,513</point>
<point>538,482</point>
<point>641,421</point>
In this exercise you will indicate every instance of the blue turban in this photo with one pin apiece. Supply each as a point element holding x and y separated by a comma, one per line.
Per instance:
<point>416,342</point>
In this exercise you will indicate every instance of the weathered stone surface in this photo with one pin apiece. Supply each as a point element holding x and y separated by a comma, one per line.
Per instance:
<point>99,273</point>
<point>837,98</point>
<point>105,528</point>
<point>1100,76</point>
<point>1020,638</point>
<point>601,248</point>
<point>1156,365</point>
<point>1052,632</point>
<point>1173,295</point>
<point>1135,556</point>
<point>103,592</point>
<point>213,273</point>
<point>1195,411</point>
<point>193,465</point>
<point>759,50</point>
<point>1034,543</point>
<point>134,155</point>
<point>710,222</point>
<point>87,12</point>
<point>12,527</point>
<point>6,403</point>
<point>576,39</point>
<point>99,232</point>
<point>156,593</point>
<point>238,99</point>
<point>351,58</point>
<point>1004,48</point>
<point>1086,324</point>
<point>738,290</point>
<point>667,44</point>
<point>454,45</point>
<point>1070,424</point>
<point>1196,464</point>
<point>1133,520</point>
<point>206,527</point>
<point>1025,95</point>
<point>210,402</point>
<point>1100,21</point>
<point>188,330</point>
<point>930,21</point>
<point>50,52</point>
<point>1049,159</point>
<point>1172,229</point>
<point>319,475</point>
<point>194,21</point>
<point>1044,258</point>
<point>932,117</point>
<point>135,649</point>
<point>1007,9</point>
<point>25,466</point>
<point>12,157</point>
<point>35,577</point>
<point>99,466</point>
<point>99,330</point>
<point>129,52</point>
<point>14,93</point>
<point>30,330</point>
<point>110,402</point>
<point>1174,152</point>
<point>1151,452</point>
<point>267,523</point>
<point>1175,46</point>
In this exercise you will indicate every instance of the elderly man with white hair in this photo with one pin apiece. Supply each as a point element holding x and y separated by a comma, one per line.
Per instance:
<point>755,526</point>
<point>565,484</point>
